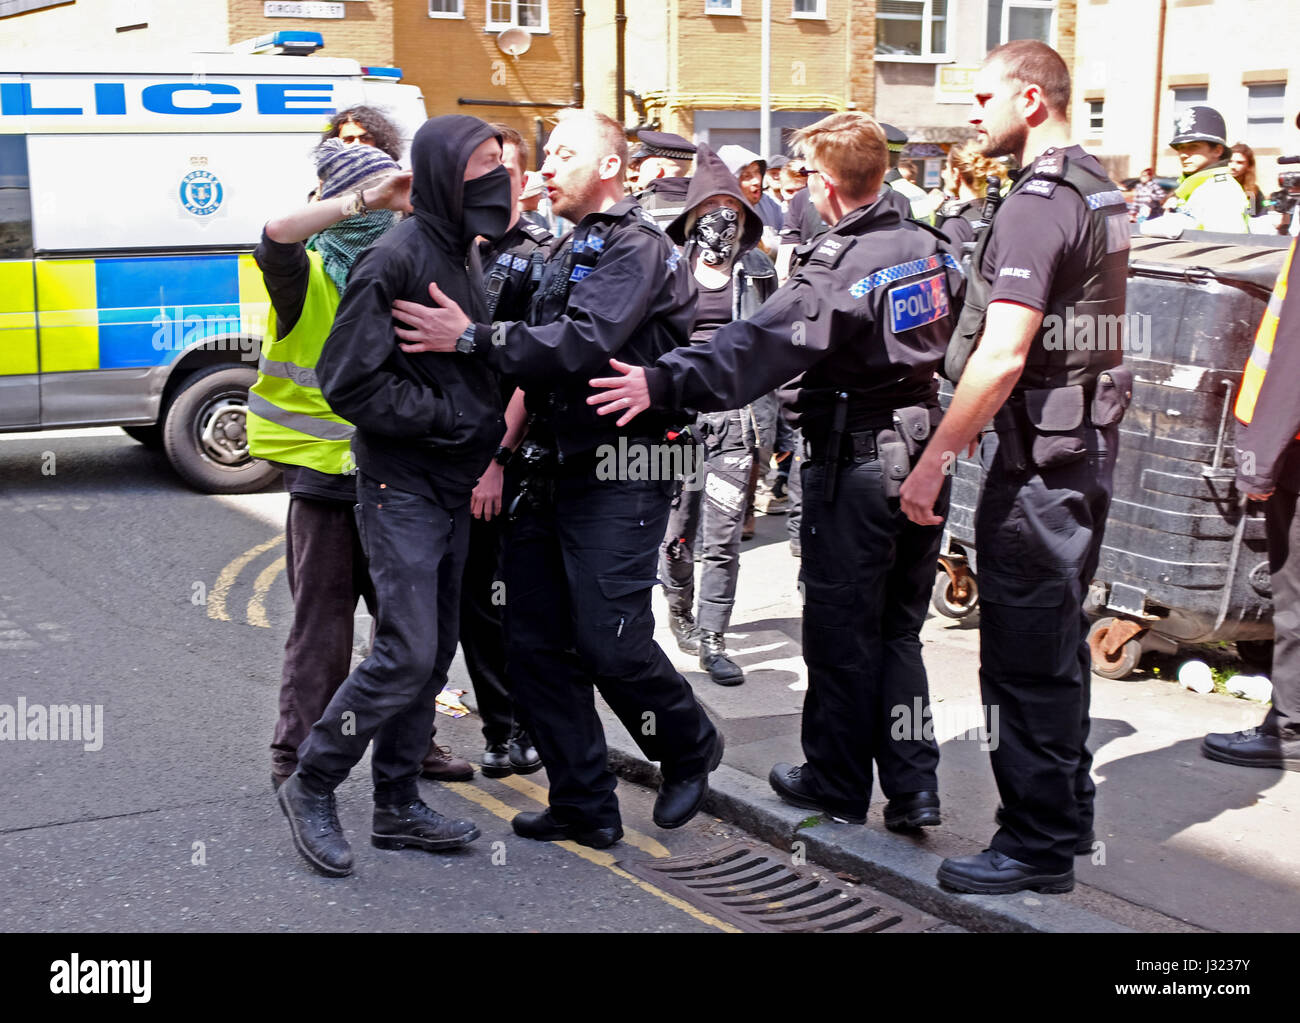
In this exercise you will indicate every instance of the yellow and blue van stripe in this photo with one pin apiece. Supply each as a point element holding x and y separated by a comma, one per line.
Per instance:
<point>120,312</point>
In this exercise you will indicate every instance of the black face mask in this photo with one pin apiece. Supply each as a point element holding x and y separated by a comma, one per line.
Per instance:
<point>486,206</point>
<point>717,233</point>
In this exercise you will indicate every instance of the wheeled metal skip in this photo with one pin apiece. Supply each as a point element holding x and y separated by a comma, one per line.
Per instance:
<point>1184,559</point>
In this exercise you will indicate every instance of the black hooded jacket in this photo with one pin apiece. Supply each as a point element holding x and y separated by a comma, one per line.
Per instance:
<point>426,423</point>
<point>754,276</point>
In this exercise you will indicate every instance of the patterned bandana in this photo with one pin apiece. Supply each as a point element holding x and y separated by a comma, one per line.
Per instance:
<point>340,245</point>
<point>717,233</point>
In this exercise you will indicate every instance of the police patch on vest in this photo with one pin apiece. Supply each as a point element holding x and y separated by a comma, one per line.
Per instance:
<point>1040,186</point>
<point>519,264</point>
<point>914,305</point>
<point>673,259</point>
<point>580,273</point>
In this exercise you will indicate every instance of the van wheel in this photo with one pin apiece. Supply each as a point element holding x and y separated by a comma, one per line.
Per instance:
<point>150,436</point>
<point>205,433</point>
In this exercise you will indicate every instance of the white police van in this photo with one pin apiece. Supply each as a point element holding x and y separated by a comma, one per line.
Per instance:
<point>132,192</point>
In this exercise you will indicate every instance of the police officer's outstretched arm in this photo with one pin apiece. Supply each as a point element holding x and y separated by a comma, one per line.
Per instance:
<point>744,359</point>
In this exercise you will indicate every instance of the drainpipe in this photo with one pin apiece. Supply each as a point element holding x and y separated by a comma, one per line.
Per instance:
<point>620,66</point>
<point>579,17</point>
<point>765,72</point>
<point>1160,77</point>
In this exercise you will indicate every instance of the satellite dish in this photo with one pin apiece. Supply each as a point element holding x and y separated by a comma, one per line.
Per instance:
<point>514,41</point>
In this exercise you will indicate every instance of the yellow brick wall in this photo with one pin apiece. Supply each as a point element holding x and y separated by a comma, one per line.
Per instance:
<point>816,64</point>
<point>365,34</point>
<point>450,59</point>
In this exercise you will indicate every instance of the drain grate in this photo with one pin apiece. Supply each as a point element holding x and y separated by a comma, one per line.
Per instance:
<point>758,891</point>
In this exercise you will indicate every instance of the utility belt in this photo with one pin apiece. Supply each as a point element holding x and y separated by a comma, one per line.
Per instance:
<point>1046,428</point>
<point>539,465</point>
<point>896,438</point>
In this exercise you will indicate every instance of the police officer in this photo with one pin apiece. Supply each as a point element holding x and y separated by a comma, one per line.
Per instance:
<point>910,199</point>
<point>1058,248</point>
<point>580,560</point>
<point>512,270</point>
<point>663,174</point>
<point>862,324</point>
<point>1208,197</point>
<point>719,231</point>
<point>1268,470</point>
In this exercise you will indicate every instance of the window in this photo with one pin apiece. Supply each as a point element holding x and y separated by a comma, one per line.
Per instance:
<point>1020,19</point>
<point>446,8</point>
<point>8,7</point>
<point>721,6</point>
<point>809,9</point>
<point>1096,117</point>
<point>529,14</point>
<point>15,199</point>
<point>1189,96</point>
<point>912,30</point>
<point>1265,115</point>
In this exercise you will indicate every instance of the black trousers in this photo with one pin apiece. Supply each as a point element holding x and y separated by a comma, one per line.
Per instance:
<point>1038,534</point>
<point>327,574</point>
<point>866,573</point>
<point>580,571</point>
<point>482,637</point>
<point>416,550</point>
<point>708,517</point>
<point>1282,526</point>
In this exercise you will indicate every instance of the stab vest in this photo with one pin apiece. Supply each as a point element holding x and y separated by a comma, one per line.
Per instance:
<point>289,420</point>
<point>1055,359</point>
<point>517,270</point>
<point>1252,379</point>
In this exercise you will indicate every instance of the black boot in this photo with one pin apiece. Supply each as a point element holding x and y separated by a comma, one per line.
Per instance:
<point>495,761</point>
<point>685,631</point>
<point>418,826</point>
<point>314,822</point>
<point>713,659</point>
<point>523,756</point>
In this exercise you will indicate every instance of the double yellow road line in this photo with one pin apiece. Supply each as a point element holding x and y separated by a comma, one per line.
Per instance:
<point>220,593</point>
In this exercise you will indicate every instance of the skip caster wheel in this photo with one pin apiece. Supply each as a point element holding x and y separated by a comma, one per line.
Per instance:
<point>1123,661</point>
<point>946,600</point>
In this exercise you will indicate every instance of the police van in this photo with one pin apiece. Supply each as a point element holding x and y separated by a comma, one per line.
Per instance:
<point>132,192</point>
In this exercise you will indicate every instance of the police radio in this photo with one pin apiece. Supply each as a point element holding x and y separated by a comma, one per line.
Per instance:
<point>992,200</point>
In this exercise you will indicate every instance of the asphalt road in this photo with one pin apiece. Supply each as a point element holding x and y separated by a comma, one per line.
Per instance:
<point>121,588</point>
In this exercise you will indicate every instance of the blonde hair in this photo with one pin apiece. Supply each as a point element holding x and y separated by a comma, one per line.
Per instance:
<point>973,167</point>
<point>851,147</point>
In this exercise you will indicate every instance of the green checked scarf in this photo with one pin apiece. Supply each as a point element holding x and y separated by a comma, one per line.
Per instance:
<point>340,245</point>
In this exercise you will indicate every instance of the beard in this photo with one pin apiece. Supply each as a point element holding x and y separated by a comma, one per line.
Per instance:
<point>1006,142</point>
<point>576,196</point>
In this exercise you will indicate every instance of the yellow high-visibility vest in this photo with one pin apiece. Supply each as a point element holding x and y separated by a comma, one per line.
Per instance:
<point>289,419</point>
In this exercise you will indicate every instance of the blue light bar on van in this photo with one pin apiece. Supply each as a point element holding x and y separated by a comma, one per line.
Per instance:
<point>292,44</point>
<point>382,74</point>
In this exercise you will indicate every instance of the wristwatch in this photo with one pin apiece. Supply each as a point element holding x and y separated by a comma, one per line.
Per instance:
<point>502,456</point>
<point>465,343</point>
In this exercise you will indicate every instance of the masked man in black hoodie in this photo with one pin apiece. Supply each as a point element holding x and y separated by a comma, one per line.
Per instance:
<point>427,426</point>
<point>580,561</point>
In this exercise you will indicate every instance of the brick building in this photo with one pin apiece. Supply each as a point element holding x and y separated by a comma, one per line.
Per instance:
<point>360,29</point>
<point>1135,74</point>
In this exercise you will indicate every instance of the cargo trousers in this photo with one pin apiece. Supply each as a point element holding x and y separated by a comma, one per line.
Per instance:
<point>579,570</point>
<point>1038,533</point>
